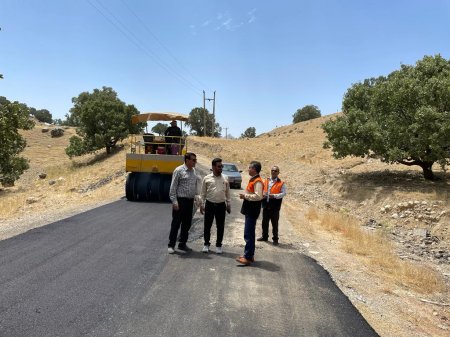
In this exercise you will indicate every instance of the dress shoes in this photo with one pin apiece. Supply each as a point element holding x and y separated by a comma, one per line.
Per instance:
<point>262,238</point>
<point>245,261</point>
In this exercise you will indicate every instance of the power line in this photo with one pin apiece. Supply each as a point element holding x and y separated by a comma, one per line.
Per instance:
<point>135,40</point>
<point>149,52</point>
<point>162,44</point>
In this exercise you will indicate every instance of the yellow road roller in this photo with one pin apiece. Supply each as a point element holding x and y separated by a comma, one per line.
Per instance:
<point>152,159</point>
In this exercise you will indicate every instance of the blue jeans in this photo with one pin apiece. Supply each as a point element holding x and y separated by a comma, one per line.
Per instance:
<point>249,237</point>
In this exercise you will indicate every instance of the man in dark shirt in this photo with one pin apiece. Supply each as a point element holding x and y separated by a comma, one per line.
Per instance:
<point>172,130</point>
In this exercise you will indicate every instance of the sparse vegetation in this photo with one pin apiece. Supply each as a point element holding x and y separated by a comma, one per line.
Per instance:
<point>378,250</point>
<point>402,118</point>
<point>318,187</point>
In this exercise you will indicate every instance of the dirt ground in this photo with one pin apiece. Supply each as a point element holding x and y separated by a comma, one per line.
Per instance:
<point>411,213</point>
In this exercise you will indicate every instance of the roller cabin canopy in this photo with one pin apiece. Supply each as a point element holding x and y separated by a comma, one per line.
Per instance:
<point>159,116</point>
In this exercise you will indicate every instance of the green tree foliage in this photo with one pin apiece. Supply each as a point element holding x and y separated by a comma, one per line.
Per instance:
<point>72,119</point>
<point>77,147</point>
<point>306,113</point>
<point>13,116</point>
<point>249,133</point>
<point>197,125</point>
<point>103,121</point>
<point>402,118</point>
<point>44,116</point>
<point>160,128</point>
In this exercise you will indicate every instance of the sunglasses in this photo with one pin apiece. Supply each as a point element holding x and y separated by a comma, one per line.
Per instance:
<point>274,171</point>
<point>193,159</point>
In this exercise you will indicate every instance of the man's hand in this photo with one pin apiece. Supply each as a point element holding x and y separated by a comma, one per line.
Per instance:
<point>228,209</point>
<point>202,209</point>
<point>241,196</point>
<point>175,207</point>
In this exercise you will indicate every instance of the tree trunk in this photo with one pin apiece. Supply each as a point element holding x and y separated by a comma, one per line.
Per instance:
<point>427,171</point>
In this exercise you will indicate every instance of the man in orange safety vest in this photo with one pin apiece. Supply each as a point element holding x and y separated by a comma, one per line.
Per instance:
<point>273,193</point>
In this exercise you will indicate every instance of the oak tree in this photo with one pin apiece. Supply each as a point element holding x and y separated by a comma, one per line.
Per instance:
<point>306,113</point>
<point>401,118</point>
<point>103,120</point>
<point>196,122</point>
<point>249,133</point>
<point>13,117</point>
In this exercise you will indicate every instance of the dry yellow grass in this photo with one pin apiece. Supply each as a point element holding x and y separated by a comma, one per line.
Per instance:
<point>327,202</point>
<point>72,178</point>
<point>378,251</point>
<point>297,149</point>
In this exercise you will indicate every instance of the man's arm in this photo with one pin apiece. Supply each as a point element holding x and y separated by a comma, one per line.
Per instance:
<point>258,195</point>
<point>227,195</point>
<point>227,191</point>
<point>174,186</point>
<point>203,192</point>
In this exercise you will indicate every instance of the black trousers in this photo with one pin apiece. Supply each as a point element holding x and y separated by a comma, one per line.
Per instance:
<point>272,215</point>
<point>183,218</point>
<point>214,210</point>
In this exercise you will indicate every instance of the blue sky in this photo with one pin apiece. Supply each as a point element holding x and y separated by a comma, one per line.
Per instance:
<point>264,59</point>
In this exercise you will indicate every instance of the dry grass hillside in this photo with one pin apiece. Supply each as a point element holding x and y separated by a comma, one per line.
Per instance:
<point>381,231</point>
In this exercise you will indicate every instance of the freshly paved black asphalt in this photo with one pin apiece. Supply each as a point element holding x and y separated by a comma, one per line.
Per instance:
<point>106,272</point>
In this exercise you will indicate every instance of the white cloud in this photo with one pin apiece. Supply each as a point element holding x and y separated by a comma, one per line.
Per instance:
<point>224,21</point>
<point>252,16</point>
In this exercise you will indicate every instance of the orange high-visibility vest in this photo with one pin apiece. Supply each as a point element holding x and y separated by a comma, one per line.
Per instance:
<point>252,208</point>
<point>274,204</point>
<point>276,187</point>
<point>251,184</point>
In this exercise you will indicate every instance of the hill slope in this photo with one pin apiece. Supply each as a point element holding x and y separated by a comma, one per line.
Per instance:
<point>362,187</point>
<point>382,231</point>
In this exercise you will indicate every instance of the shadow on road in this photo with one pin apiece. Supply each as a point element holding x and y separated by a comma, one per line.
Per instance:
<point>192,255</point>
<point>265,265</point>
<point>260,264</point>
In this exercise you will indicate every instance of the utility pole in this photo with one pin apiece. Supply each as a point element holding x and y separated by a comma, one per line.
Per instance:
<point>214,112</point>
<point>214,115</point>
<point>204,115</point>
<point>226,133</point>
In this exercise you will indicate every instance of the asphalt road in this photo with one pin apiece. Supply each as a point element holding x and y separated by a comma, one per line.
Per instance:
<point>106,272</point>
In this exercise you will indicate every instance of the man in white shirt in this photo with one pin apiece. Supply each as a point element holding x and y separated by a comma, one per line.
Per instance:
<point>215,196</point>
